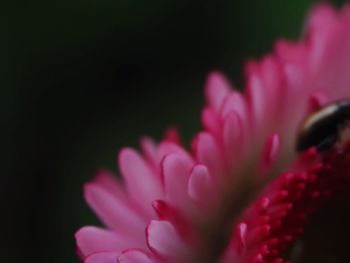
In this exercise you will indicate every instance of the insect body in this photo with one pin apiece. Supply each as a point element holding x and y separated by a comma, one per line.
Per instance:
<point>325,127</point>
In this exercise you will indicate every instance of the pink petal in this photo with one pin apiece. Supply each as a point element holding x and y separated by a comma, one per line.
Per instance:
<point>134,256</point>
<point>176,170</point>
<point>115,213</point>
<point>256,93</point>
<point>102,257</point>
<point>294,65</point>
<point>233,137</point>
<point>211,121</point>
<point>217,88</point>
<point>321,21</point>
<point>264,93</point>
<point>108,181</point>
<point>234,102</point>
<point>142,184</point>
<point>92,240</point>
<point>200,185</point>
<point>163,240</point>
<point>209,153</point>
<point>270,152</point>
<point>166,148</point>
<point>150,150</point>
<point>331,68</point>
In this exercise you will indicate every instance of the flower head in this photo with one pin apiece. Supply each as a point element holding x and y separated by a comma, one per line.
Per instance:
<point>241,194</point>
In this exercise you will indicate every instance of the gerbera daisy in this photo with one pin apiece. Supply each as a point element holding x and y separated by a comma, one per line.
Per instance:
<point>242,194</point>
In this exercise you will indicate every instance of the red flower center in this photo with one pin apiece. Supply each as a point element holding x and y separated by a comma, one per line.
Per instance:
<point>292,203</point>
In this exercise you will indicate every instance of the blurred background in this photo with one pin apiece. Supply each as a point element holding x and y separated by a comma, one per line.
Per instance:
<point>81,79</point>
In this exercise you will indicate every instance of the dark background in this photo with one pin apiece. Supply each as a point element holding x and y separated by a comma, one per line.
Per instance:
<point>81,79</point>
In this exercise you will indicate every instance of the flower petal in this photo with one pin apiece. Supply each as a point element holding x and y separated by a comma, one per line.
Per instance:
<point>176,170</point>
<point>166,148</point>
<point>269,153</point>
<point>211,121</point>
<point>163,240</point>
<point>142,184</point>
<point>134,256</point>
<point>234,102</point>
<point>208,153</point>
<point>217,88</point>
<point>115,213</point>
<point>200,184</point>
<point>150,151</point>
<point>233,137</point>
<point>102,257</point>
<point>108,181</point>
<point>92,240</point>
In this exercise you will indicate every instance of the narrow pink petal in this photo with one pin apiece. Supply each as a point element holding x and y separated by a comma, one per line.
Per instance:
<point>163,240</point>
<point>270,152</point>
<point>320,22</point>
<point>211,121</point>
<point>166,148</point>
<point>209,153</point>
<point>328,39</point>
<point>134,256</point>
<point>200,184</point>
<point>92,240</point>
<point>294,68</point>
<point>217,88</point>
<point>256,93</point>
<point>150,150</point>
<point>234,102</point>
<point>291,53</point>
<point>108,181</point>
<point>264,93</point>
<point>142,184</point>
<point>320,17</point>
<point>233,137</point>
<point>102,257</point>
<point>115,213</point>
<point>176,170</point>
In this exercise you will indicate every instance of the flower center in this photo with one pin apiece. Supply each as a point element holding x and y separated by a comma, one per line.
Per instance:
<point>294,202</point>
<point>327,229</point>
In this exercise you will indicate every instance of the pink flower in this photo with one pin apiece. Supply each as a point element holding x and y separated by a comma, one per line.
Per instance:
<point>242,194</point>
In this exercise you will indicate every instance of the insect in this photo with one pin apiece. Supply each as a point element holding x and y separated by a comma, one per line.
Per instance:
<point>325,127</point>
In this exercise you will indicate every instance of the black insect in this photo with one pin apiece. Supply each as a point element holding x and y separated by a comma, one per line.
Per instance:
<point>323,128</point>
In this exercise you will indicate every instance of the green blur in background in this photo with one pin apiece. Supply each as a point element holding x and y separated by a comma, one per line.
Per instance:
<point>81,79</point>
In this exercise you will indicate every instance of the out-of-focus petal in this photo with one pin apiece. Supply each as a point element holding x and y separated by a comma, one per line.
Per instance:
<point>92,240</point>
<point>116,214</point>
<point>102,257</point>
<point>140,180</point>
<point>163,240</point>
<point>134,256</point>
<point>217,88</point>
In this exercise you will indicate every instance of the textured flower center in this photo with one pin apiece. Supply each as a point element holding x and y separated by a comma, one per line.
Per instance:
<point>283,213</point>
